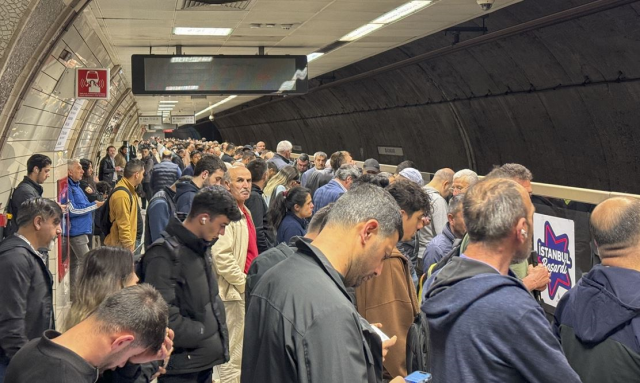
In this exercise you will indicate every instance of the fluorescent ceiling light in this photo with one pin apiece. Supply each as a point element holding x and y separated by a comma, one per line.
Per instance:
<point>202,31</point>
<point>313,56</point>
<point>205,110</point>
<point>185,87</point>
<point>401,11</point>
<point>360,32</point>
<point>161,108</point>
<point>168,102</point>
<point>191,59</point>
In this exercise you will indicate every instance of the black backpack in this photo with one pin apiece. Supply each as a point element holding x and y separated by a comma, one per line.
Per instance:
<point>103,222</point>
<point>418,345</point>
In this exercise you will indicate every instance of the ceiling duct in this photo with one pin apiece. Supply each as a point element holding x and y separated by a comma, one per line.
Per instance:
<point>215,5</point>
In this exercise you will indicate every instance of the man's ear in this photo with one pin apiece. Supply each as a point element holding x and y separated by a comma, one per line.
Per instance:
<point>369,229</point>
<point>121,342</point>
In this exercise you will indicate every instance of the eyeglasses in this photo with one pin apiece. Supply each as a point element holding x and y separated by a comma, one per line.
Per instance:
<point>458,188</point>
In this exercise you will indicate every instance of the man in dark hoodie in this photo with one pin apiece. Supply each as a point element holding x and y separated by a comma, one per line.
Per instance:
<point>598,321</point>
<point>179,265</point>
<point>257,205</point>
<point>484,325</point>
<point>208,171</point>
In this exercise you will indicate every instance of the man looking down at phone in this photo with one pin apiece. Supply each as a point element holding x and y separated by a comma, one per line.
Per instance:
<point>301,324</point>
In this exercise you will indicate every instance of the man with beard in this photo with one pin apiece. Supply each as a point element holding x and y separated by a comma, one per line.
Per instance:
<point>302,325</point>
<point>484,326</point>
<point>208,171</point>
<point>232,256</point>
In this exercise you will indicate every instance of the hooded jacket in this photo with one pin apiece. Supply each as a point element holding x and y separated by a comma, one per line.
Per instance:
<point>438,247</point>
<point>486,327</point>
<point>598,324</point>
<point>185,192</point>
<point>196,313</point>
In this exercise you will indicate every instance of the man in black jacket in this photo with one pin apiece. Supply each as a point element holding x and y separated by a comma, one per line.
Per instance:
<point>38,169</point>
<point>302,325</point>
<point>179,265</point>
<point>257,205</point>
<point>209,171</point>
<point>108,167</point>
<point>26,284</point>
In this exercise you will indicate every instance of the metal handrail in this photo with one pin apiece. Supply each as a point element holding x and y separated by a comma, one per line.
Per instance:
<point>540,189</point>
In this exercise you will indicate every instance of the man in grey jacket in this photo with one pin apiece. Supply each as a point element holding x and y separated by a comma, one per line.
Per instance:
<point>302,323</point>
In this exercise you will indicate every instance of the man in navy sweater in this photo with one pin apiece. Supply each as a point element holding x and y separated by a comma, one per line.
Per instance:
<point>484,325</point>
<point>80,220</point>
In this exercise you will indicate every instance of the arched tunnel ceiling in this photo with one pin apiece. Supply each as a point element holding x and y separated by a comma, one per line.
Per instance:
<point>562,100</point>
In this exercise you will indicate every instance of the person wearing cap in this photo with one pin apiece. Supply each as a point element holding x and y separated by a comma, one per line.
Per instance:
<point>339,185</point>
<point>412,175</point>
<point>165,173</point>
<point>371,166</point>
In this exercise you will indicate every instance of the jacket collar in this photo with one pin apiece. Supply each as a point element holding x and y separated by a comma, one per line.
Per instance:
<point>314,253</point>
<point>72,182</point>
<point>256,189</point>
<point>197,245</point>
<point>303,222</point>
<point>125,182</point>
<point>338,184</point>
<point>35,185</point>
<point>448,233</point>
<point>56,351</point>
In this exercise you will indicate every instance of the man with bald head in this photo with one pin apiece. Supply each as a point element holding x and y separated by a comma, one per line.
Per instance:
<point>484,326</point>
<point>232,255</point>
<point>438,190</point>
<point>598,321</point>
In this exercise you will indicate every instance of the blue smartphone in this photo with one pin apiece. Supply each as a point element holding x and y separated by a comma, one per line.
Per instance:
<point>418,377</point>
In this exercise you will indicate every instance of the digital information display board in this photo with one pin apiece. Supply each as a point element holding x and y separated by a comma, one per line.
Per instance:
<point>220,74</point>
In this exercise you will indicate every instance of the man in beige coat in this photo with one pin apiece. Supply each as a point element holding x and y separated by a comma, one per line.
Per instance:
<point>229,260</point>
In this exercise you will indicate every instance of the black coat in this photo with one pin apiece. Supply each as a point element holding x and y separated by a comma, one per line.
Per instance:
<point>26,190</point>
<point>106,170</point>
<point>303,327</point>
<point>258,208</point>
<point>179,265</point>
<point>26,303</point>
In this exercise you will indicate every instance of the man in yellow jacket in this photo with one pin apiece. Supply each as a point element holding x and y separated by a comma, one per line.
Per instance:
<point>123,207</point>
<point>230,255</point>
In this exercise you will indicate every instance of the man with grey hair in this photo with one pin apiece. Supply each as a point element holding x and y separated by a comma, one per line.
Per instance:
<point>319,160</point>
<point>438,190</point>
<point>339,185</point>
<point>598,321</point>
<point>129,326</point>
<point>462,180</point>
<point>76,237</point>
<point>475,296</point>
<point>282,157</point>
<point>303,323</point>
<point>454,230</point>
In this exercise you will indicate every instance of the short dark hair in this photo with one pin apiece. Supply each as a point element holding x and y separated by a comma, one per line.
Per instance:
<point>249,154</point>
<point>319,219</point>
<point>85,163</point>
<point>215,200</point>
<point>195,153</point>
<point>230,146</point>
<point>139,309</point>
<point>34,207</point>
<point>410,197</point>
<point>374,179</point>
<point>258,168</point>
<point>209,163</point>
<point>110,146</point>
<point>337,160</point>
<point>404,165</point>
<point>133,166</point>
<point>272,166</point>
<point>304,157</point>
<point>39,160</point>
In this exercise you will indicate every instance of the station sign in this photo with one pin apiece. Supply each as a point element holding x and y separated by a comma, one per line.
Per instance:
<point>297,148</point>
<point>554,242</point>
<point>183,120</point>
<point>390,151</point>
<point>93,83</point>
<point>150,120</point>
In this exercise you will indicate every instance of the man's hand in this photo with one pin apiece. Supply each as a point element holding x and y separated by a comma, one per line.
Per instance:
<point>537,278</point>
<point>387,344</point>
<point>163,354</point>
<point>99,203</point>
<point>398,379</point>
<point>62,207</point>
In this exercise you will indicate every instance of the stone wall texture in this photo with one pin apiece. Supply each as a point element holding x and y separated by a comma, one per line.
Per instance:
<point>11,11</point>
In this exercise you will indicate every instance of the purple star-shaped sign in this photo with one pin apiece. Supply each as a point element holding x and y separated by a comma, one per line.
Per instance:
<point>560,243</point>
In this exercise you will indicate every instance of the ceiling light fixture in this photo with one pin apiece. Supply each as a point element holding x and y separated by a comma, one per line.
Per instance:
<point>186,31</point>
<point>313,56</point>
<point>360,32</point>
<point>168,102</point>
<point>216,105</point>
<point>401,12</point>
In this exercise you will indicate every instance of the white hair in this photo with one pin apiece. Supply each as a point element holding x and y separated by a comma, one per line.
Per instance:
<point>284,146</point>
<point>73,161</point>
<point>466,174</point>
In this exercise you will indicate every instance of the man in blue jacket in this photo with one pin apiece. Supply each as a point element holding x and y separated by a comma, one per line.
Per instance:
<point>80,220</point>
<point>336,187</point>
<point>484,326</point>
<point>598,321</point>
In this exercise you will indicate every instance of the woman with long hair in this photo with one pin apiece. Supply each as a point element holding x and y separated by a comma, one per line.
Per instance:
<point>286,178</point>
<point>88,182</point>
<point>289,212</point>
<point>104,271</point>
